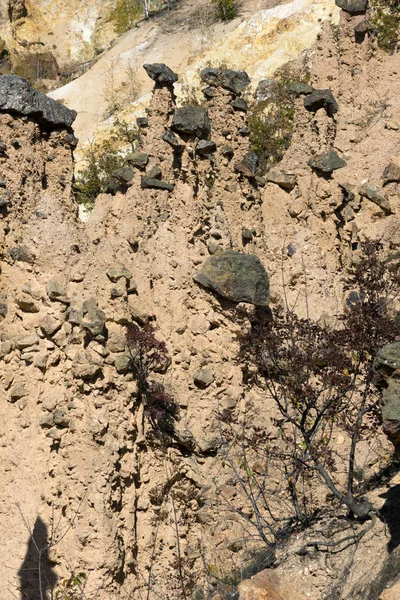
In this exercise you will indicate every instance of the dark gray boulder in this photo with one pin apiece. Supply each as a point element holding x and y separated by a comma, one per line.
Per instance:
<point>287,181</point>
<point>173,141</point>
<point>240,104</point>
<point>321,99</point>
<point>388,359</point>
<point>267,89</point>
<point>353,7</point>
<point>155,173</point>
<point>142,122</point>
<point>138,159</point>
<point>120,181</point>
<point>94,319</point>
<point>234,81</point>
<point>327,162</point>
<point>387,370</point>
<point>363,28</point>
<point>248,165</point>
<point>156,184</point>
<point>161,74</point>
<point>206,147</point>
<point>298,88</point>
<point>391,174</point>
<point>235,276</point>
<point>17,96</point>
<point>368,191</point>
<point>192,120</point>
<point>209,92</point>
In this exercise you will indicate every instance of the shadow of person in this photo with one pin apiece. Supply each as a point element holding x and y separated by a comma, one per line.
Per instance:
<point>36,575</point>
<point>390,512</point>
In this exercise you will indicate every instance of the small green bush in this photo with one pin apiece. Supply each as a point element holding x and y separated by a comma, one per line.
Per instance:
<point>271,126</point>
<point>125,14</point>
<point>225,9</point>
<point>386,19</point>
<point>101,159</point>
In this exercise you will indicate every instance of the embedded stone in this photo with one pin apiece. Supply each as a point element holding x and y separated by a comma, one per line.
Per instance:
<point>94,317</point>
<point>23,254</point>
<point>172,140</point>
<point>138,159</point>
<point>210,92</point>
<point>248,165</point>
<point>122,363</point>
<point>298,88</point>
<point>227,150</point>
<point>240,104</point>
<point>353,7</point>
<point>3,310</point>
<point>236,276</point>
<point>363,28</point>
<point>284,180</point>
<point>150,183</point>
<point>27,341</point>
<point>368,191</point>
<point>118,271</point>
<point>17,392</point>
<point>391,174</point>
<point>155,173</point>
<point>50,325</point>
<point>27,304</point>
<point>321,99</point>
<point>327,162</point>
<point>74,316</point>
<point>206,147</point>
<point>56,292</point>
<point>142,122</point>
<point>204,377</point>
<point>192,120</point>
<point>234,81</point>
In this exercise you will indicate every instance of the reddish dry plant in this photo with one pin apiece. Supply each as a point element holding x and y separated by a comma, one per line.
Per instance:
<point>322,379</point>
<point>147,356</point>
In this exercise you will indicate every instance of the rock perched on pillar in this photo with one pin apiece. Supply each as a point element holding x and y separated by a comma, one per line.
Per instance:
<point>234,81</point>
<point>18,96</point>
<point>353,7</point>
<point>236,276</point>
<point>161,74</point>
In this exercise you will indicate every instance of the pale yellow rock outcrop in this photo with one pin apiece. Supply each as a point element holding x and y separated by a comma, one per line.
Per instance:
<point>260,40</point>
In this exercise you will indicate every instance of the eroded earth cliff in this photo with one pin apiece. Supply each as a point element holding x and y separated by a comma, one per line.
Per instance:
<point>80,458</point>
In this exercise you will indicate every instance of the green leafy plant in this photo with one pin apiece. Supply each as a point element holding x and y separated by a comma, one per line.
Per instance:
<point>125,14</point>
<point>271,126</point>
<point>385,20</point>
<point>225,9</point>
<point>71,588</point>
<point>101,159</point>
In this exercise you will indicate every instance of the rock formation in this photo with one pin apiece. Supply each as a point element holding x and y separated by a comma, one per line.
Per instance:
<point>78,446</point>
